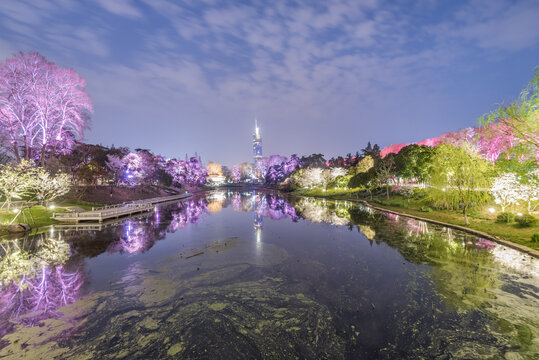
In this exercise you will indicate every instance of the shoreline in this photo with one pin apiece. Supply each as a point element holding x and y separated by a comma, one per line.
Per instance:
<point>497,239</point>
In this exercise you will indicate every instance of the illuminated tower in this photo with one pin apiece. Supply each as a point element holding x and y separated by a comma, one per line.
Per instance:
<point>257,152</point>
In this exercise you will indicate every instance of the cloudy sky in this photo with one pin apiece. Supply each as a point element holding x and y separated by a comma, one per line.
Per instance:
<point>321,76</point>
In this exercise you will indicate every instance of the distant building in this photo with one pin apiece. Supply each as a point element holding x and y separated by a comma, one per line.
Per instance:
<point>257,153</point>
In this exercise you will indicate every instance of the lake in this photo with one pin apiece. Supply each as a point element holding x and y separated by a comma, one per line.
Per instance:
<point>258,275</point>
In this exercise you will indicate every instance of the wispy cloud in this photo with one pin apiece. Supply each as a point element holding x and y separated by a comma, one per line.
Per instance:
<point>307,67</point>
<point>120,7</point>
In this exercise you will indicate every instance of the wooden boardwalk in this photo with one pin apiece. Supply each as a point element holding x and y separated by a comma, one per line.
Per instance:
<point>101,214</point>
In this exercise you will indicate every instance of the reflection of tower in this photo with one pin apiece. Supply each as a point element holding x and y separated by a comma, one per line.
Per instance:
<point>257,220</point>
<point>257,217</point>
<point>257,153</point>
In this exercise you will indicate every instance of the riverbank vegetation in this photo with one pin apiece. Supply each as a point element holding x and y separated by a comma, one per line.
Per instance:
<point>485,178</point>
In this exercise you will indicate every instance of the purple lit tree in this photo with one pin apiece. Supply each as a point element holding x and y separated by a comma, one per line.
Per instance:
<point>134,171</point>
<point>293,163</point>
<point>178,170</point>
<point>43,107</point>
<point>196,172</point>
<point>236,173</point>
<point>190,172</point>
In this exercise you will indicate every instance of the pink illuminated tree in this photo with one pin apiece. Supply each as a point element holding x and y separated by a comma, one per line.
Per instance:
<point>43,108</point>
<point>493,140</point>
<point>391,149</point>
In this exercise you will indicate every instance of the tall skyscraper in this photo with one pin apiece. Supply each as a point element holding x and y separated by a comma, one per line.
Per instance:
<point>257,153</point>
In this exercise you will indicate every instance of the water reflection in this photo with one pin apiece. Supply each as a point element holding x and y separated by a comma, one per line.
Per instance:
<point>452,281</point>
<point>38,275</point>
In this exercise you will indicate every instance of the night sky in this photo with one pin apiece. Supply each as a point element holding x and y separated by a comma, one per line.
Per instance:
<point>320,76</point>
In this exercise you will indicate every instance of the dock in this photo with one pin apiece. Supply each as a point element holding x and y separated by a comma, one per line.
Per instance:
<point>100,214</point>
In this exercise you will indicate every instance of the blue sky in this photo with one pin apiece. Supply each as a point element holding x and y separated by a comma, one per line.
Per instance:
<point>321,76</point>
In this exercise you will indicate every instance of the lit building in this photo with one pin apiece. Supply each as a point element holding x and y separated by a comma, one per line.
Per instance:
<point>257,153</point>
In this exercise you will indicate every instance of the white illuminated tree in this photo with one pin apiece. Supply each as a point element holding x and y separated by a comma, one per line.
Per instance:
<point>46,187</point>
<point>15,181</point>
<point>311,177</point>
<point>529,192</point>
<point>506,190</point>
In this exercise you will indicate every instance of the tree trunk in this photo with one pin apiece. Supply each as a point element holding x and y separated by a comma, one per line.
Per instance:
<point>43,156</point>
<point>465,215</point>
<point>387,191</point>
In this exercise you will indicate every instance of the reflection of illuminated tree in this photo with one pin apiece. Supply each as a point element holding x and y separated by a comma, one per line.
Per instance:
<point>34,279</point>
<point>367,231</point>
<point>236,202</point>
<point>190,212</point>
<point>43,291</point>
<point>215,207</point>
<point>461,263</point>
<point>134,239</point>
<point>323,211</point>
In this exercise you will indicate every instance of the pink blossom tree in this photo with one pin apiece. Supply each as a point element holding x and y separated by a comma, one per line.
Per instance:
<point>392,149</point>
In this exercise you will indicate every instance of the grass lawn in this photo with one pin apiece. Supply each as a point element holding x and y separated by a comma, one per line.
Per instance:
<point>480,217</point>
<point>42,215</point>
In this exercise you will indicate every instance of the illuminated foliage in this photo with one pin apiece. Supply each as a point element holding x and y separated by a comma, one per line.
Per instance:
<point>529,191</point>
<point>414,162</point>
<point>115,167</point>
<point>392,149</point>
<point>46,187</point>
<point>505,190</point>
<point>363,165</point>
<point>214,169</point>
<point>15,181</point>
<point>43,107</point>
<point>458,177</point>
<point>519,120</point>
<point>236,173</point>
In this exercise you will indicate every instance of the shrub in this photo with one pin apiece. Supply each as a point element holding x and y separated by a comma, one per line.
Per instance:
<point>526,220</point>
<point>425,209</point>
<point>535,237</point>
<point>505,218</point>
<point>419,193</point>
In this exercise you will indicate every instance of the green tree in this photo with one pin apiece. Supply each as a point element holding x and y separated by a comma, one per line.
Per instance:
<point>365,180</point>
<point>362,166</point>
<point>414,162</point>
<point>385,171</point>
<point>459,177</point>
<point>519,120</point>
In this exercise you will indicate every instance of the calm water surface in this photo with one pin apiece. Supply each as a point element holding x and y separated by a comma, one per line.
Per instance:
<point>234,275</point>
